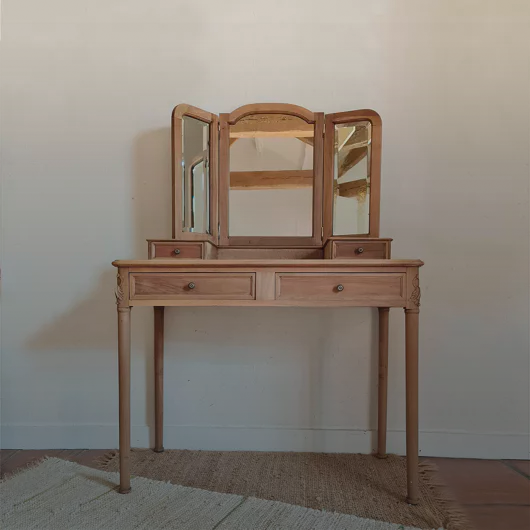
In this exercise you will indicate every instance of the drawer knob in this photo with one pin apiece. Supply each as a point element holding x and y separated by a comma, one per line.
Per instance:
<point>360,250</point>
<point>340,287</point>
<point>191,285</point>
<point>177,251</point>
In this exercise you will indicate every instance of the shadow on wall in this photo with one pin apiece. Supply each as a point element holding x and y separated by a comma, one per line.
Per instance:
<point>151,212</point>
<point>320,341</point>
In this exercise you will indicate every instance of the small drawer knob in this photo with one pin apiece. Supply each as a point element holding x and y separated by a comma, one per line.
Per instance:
<point>360,250</point>
<point>177,251</point>
<point>340,287</point>
<point>191,285</point>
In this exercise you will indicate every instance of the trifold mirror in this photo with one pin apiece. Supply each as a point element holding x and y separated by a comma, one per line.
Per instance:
<point>287,176</point>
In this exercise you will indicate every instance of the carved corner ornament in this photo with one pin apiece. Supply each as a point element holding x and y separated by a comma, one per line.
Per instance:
<point>119,289</point>
<point>416,292</point>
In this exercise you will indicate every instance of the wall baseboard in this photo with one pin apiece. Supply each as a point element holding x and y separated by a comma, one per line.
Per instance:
<point>87,436</point>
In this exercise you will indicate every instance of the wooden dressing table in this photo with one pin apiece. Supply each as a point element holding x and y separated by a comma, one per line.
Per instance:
<point>303,230</point>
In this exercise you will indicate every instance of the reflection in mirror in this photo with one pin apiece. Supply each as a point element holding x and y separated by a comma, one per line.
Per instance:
<point>271,176</point>
<point>351,178</point>
<point>195,175</point>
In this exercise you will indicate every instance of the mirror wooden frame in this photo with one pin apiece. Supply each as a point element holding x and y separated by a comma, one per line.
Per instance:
<point>225,121</point>
<point>375,169</point>
<point>177,177</point>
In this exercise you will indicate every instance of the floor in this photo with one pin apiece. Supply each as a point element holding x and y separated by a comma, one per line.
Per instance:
<point>494,493</point>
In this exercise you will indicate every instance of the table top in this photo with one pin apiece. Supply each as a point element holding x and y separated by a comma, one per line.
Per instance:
<point>267,263</point>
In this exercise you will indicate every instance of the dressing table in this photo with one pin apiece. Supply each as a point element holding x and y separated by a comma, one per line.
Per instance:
<point>273,205</point>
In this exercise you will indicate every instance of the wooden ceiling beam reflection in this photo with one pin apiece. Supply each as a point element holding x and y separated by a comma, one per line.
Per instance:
<point>272,125</point>
<point>352,188</point>
<point>265,180</point>
<point>353,157</point>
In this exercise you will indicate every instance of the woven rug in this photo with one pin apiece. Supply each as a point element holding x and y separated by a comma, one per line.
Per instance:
<point>361,485</point>
<point>61,495</point>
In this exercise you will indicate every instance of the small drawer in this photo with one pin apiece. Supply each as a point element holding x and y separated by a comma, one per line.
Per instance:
<point>366,288</point>
<point>360,249</point>
<point>175,249</point>
<point>192,286</point>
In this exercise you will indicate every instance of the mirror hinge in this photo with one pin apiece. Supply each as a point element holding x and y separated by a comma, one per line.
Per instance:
<point>322,232</point>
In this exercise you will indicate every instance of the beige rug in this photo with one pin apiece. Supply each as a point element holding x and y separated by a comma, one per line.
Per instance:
<point>362,485</point>
<point>61,495</point>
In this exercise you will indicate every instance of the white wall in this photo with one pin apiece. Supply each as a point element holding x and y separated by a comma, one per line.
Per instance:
<point>87,89</point>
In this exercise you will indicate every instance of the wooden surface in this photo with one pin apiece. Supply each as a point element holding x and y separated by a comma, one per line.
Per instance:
<point>360,249</point>
<point>124,371</point>
<point>176,250</point>
<point>412,428</point>
<point>364,289</point>
<point>192,286</point>
<point>382,387</point>
<point>271,108</point>
<point>159,377</point>
<point>269,263</point>
<point>265,125</point>
<point>301,282</point>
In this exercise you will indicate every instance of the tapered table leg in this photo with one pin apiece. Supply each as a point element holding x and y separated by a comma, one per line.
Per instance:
<point>159,379</point>
<point>411,345</point>
<point>383,382</point>
<point>124,370</point>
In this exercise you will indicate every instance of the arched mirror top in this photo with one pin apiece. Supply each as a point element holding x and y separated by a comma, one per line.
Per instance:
<point>357,115</point>
<point>193,112</point>
<point>270,108</point>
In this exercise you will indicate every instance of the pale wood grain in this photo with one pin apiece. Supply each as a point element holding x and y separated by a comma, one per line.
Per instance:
<point>271,108</point>
<point>175,250</point>
<point>360,249</point>
<point>411,348</point>
<point>377,264</point>
<point>382,387</point>
<point>384,288</point>
<point>159,377</point>
<point>192,286</point>
<point>124,371</point>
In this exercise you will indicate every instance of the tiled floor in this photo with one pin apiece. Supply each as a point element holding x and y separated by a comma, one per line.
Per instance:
<point>494,493</point>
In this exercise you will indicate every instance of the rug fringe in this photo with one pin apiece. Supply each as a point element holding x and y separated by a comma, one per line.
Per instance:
<point>102,462</point>
<point>24,468</point>
<point>457,518</point>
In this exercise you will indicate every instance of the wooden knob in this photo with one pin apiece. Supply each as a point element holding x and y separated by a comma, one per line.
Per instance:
<point>177,251</point>
<point>191,285</point>
<point>340,287</point>
<point>360,250</point>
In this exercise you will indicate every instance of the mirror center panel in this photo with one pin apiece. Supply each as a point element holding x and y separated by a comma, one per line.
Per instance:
<point>271,176</point>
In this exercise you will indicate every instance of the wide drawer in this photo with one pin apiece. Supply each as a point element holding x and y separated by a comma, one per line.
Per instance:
<point>360,249</point>
<point>177,249</point>
<point>367,288</point>
<point>192,286</point>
